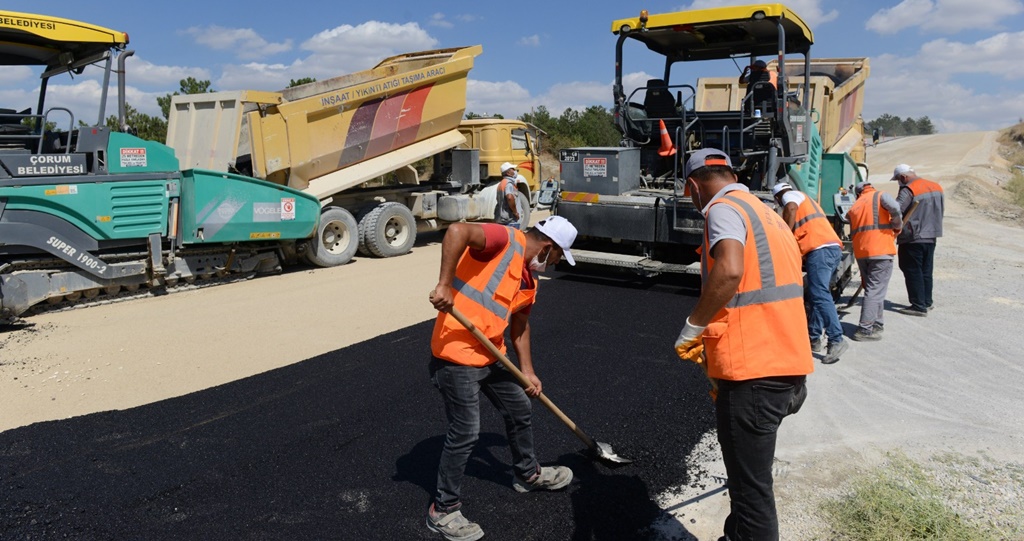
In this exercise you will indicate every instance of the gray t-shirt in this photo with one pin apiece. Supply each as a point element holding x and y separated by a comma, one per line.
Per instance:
<point>724,221</point>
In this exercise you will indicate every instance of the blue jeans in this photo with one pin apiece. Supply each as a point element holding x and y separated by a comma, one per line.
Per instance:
<point>916,261</point>
<point>460,387</point>
<point>820,264</point>
<point>748,415</point>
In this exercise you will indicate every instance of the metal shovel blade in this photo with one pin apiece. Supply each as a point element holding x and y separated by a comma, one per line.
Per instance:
<point>605,452</point>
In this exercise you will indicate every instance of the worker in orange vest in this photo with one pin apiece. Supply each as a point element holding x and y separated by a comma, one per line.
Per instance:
<point>488,274</point>
<point>875,220</point>
<point>917,240</point>
<point>748,332</point>
<point>822,252</point>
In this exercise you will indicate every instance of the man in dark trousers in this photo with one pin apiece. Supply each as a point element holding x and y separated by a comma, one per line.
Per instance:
<point>917,240</point>
<point>749,332</point>
<point>487,273</point>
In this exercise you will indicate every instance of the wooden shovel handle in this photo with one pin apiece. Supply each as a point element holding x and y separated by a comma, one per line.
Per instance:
<point>521,377</point>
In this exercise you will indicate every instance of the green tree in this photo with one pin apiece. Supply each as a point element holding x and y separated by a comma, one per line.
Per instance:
<point>302,81</point>
<point>541,118</point>
<point>31,123</point>
<point>471,115</point>
<point>188,85</point>
<point>144,126</point>
<point>925,126</point>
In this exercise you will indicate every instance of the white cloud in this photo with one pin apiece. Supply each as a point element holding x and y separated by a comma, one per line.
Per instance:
<point>245,42</point>
<point>530,41</point>
<point>259,76</point>
<point>809,10</point>
<point>145,73</point>
<point>334,52</point>
<point>439,20</point>
<point>468,18</point>
<point>946,16</point>
<point>511,100</point>
<point>18,75</point>
<point>895,83</point>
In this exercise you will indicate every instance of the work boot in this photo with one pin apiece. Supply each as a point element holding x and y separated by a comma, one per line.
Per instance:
<point>818,345</point>
<point>911,311</point>
<point>867,335</point>
<point>552,478</point>
<point>835,349</point>
<point>878,328</point>
<point>452,525</point>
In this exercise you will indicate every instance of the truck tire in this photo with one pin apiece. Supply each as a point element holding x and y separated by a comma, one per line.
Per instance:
<point>336,240</point>
<point>361,215</point>
<point>390,230</point>
<point>524,203</point>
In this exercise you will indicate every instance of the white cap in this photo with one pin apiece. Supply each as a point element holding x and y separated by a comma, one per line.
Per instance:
<point>779,186</point>
<point>506,166</point>
<point>901,169</point>
<point>861,185</point>
<point>561,231</point>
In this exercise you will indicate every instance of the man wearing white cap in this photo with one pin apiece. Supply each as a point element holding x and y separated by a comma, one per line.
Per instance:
<point>917,240</point>
<point>822,252</point>
<point>488,274</point>
<point>748,332</point>
<point>508,211</point>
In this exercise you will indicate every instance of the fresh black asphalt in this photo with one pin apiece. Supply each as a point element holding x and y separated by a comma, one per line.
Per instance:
<point>345,445</point>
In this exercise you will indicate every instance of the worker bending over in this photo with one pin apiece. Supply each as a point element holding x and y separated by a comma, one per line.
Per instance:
<point>875,220</point>
<point>748,331</point>
<point>487,273</point>
<point>822,252</point>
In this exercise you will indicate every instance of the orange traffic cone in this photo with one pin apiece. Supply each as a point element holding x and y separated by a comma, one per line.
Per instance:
<point>667,148</point>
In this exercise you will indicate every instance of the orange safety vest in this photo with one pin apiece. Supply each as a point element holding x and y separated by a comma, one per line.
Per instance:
<point>870,226</point>
<point>926,221</point>
<point>762,330</point>
<point>488,293</point>
<point>812,229</point>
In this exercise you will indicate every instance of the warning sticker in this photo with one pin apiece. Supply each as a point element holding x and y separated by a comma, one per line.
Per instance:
<point>63,189</point>
<point>133,157</point>
<point>595,167</point>
<point>287,208</point>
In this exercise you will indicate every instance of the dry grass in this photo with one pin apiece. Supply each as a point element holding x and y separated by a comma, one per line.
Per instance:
<point>897,502</point>
<point>1012,140</point>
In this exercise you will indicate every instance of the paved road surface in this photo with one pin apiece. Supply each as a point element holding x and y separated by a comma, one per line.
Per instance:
<point>345,445</point>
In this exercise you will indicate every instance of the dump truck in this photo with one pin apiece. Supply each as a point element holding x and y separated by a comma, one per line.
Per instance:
<point>337,139</point>
<point>249,181</point>
<point>628,202</point>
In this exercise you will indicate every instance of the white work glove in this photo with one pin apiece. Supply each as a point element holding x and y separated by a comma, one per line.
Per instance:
<point>689,345</point>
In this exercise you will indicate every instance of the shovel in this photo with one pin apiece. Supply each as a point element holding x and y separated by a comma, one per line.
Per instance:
<point>602,450</point>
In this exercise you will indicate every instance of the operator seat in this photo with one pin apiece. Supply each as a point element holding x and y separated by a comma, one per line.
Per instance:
<point>762,96</point>
<point>660,104</point>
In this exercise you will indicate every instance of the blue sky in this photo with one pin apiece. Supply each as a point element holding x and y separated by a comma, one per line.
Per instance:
<point>952,60</point>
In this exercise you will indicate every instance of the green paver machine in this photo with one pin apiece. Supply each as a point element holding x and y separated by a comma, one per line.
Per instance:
<point>85,210</point>
<point>803,127</point>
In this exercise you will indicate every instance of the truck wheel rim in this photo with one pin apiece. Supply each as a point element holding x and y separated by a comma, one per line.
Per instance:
<point>335,237</point>
<point>396,232</point>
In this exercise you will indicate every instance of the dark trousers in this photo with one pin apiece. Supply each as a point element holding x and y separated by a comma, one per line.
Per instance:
<point>748,414</point>
<point>460,387</point>
<point>916,262</point>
